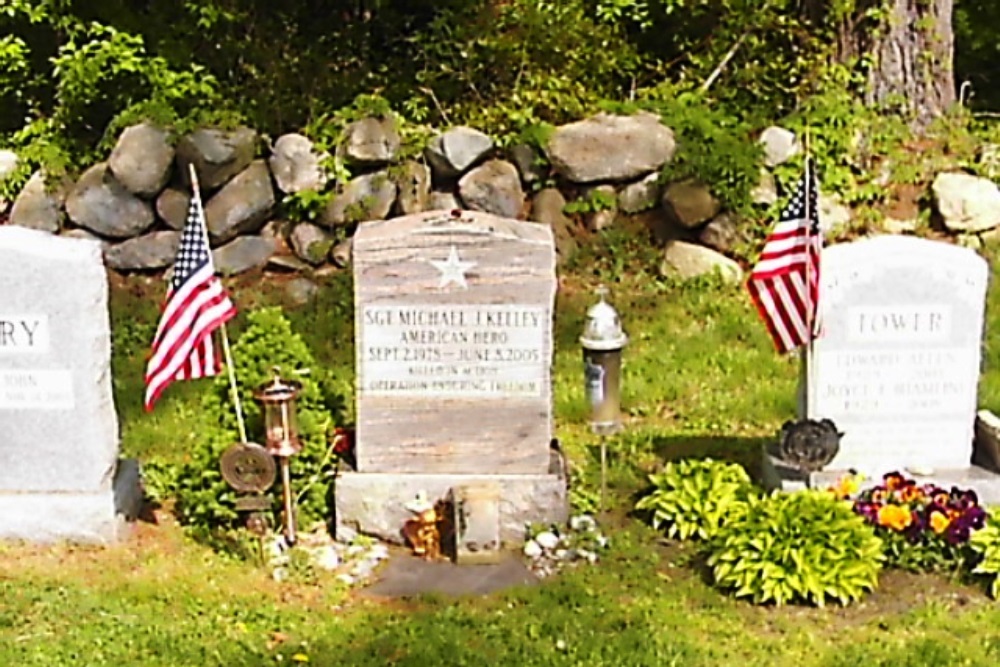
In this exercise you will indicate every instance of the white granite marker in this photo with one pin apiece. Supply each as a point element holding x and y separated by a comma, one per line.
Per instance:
<point>59,471</point>
<point>897,367</point>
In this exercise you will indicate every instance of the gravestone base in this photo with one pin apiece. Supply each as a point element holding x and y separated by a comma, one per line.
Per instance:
<point>375,503</point>
<point>779,475</point>
<point>74,516</point>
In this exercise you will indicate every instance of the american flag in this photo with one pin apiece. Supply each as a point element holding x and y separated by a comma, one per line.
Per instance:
<point>196,305</point>
<point>789,261</point>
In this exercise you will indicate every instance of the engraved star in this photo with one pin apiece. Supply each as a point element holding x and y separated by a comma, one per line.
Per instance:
<point>452,269</point>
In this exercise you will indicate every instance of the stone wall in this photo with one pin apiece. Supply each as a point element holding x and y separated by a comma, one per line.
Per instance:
<point>137,200</point>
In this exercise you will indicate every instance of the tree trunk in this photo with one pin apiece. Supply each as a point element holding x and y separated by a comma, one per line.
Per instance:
<point>909,46</point>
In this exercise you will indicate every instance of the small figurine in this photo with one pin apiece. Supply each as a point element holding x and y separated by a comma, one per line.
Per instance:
<point>422,531</point>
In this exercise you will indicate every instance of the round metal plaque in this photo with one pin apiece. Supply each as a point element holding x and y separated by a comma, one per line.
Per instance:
<point>248,468</point>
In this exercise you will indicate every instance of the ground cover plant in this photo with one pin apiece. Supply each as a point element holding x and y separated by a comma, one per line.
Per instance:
<point>700,380</point>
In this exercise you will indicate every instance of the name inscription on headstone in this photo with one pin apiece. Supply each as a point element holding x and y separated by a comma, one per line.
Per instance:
<point>465,351</point>
<point>33,389</point>
<point>20,334</point>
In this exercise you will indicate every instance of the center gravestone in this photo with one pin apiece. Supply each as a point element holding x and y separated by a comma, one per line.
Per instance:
<point>453,316</point>
<point>60,476</point>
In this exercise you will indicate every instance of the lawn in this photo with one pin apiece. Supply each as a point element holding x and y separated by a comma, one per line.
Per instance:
<point>700,379</point>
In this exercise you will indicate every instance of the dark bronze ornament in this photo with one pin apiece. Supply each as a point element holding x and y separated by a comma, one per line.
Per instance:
<point>248,468</point>
<point>809,444</point>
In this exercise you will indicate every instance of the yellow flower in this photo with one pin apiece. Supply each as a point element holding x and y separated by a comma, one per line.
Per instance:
<point>895,517</point>
<point>846,486</point>
<point>939,522</point>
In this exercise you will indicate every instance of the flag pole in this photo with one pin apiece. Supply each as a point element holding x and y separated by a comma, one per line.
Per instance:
<point>810,306</point>
<point>226,350</point>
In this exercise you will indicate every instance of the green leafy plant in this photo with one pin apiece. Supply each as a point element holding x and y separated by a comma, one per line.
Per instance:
<point>806,546</point>
<point>986,544</point>
<point>695,498</point>
<point>593,201</point>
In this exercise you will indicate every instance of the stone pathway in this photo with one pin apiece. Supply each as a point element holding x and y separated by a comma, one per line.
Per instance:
<point>405,575</point>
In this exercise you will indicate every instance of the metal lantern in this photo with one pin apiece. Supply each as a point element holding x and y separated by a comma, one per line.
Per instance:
<point>603,341</point>
<point>281,436</point>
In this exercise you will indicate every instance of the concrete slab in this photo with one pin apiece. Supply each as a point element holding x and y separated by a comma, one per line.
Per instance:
<point>406,575</point>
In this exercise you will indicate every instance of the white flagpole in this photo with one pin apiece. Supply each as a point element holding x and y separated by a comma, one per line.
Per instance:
<point>226,350</point>
<point>810,306</point>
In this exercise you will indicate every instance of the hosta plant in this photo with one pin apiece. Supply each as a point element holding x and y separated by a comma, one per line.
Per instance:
<point>805,546</point>
<point>986,544</point>
<point>693,498</point>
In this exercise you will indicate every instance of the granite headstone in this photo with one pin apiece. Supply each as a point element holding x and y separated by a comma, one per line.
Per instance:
<point>60,477</point>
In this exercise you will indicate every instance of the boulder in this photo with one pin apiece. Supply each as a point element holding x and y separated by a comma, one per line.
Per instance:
<point>413,180</point>
<point>720,233</point>
<point>149,251</point>
<point>610,148</point>
<point>77,233</point>
<point>690,260</point>
<point>367,197</point>
<point>443,201</point>
<point>296,165</point>
<point>371,141</point>
<point>341,253</point>
<point>603,215</point>
<point>493,187</point>
<point>832,213</point>
<point>690,203</point>
<point>450,154</point>
<point>100,203</point>
<point>172,207</point>
<point>8,164</point>
<point>242,206</point>
<point>301,291</point>
<point>529,163</point>
<point>36,207</point>
<point>142,159</point>
<point>765,193</point>
<point>242,254</point>
<point>966,203</point>
<point>547,208</point>
<point>217,155</point>
<point>640,195</point>
<point>310,243</point>
<point>287,263</point>
<point>779,145</point>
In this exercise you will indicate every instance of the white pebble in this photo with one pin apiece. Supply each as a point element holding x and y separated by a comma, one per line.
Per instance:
<point>547,540</point>
<point>582,522</point>
<point>327,558</point>
<point>532,549</point>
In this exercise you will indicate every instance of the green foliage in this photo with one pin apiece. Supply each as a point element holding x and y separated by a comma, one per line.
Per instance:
<point>986,544</point>
<point>592,202</point>
<point>203,497</point>
<point>805,546</point>
<point>696,498</point>
<point>305,205</point>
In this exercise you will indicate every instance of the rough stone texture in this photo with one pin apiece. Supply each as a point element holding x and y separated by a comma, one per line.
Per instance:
<point>690,203</point>
<point>493,187</point>
<point>172,207</point>
<point>288,263</point>
<point>98,202</point>
<point>473,402</point>
<point>603,217</point>
<point>36,207</point>
<point>58,426</point>
<point>765,192</point>
<point>217,155</point>
<point>898,364</point>
<point>779,145</point>
<point>689,260</point>
<point>242,254</point>
<point>150,251</point>
<point>640,195</point>
<point>721,233</point>
<point>310,243</point>
<point>414,185</point>
<point>301,291</point>
<point>832,213</point>
<point>367,197</point>
<point>142,159</point>
<point>966,203</point>
<point>77,233</point>
<point>443,201</point>
<point>450,154</point>
<point>374,504</point>
<point>371,141</point>
<point>547,208</point>
<point>340,254</point>
<point>528,162</point>
<point>242,206</point>
<point>295,164</point>
<point>8,163</point>
<point>610,148</point>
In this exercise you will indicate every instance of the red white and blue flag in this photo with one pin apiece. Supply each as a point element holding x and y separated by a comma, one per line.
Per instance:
<point>197,304</point>
<point>784,284</point>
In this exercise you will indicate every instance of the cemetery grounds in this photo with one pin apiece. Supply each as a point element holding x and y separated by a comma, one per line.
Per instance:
<point>700,379</point>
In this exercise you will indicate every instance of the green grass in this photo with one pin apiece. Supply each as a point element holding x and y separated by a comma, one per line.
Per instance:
<point>700,379</point>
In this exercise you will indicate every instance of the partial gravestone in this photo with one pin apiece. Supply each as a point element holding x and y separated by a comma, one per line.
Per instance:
<point>897,366</point>
<point>60,476</point>
<point>454,350</point>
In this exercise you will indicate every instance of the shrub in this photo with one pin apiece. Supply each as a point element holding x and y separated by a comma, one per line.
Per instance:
<point>806,546</point>
<point>204,499</point>
<point>986,544</point>
<point>695,498</point>
<point>923,527</point>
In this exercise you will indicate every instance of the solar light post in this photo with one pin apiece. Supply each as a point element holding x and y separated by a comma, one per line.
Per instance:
<point>281,437</point>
